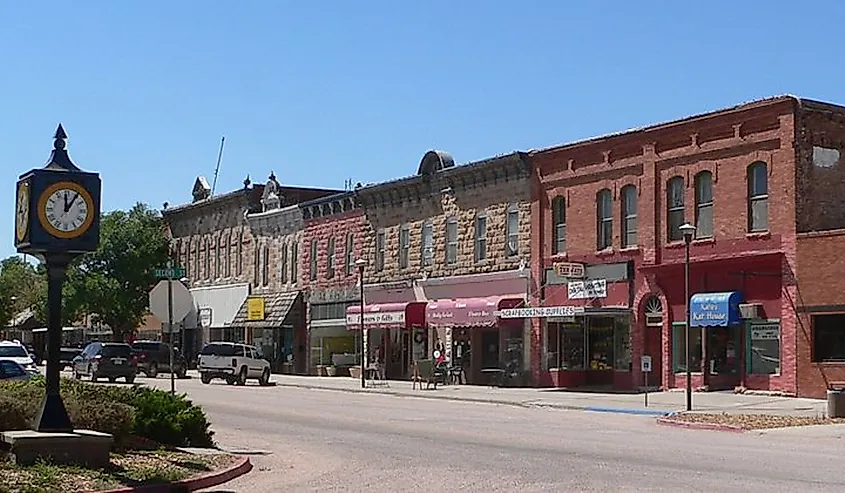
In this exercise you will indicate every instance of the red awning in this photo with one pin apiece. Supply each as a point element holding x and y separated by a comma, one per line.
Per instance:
<point>387,316</point>
<point>468,312</point>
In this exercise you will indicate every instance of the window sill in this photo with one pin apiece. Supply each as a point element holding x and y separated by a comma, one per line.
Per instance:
<point>759,235</point>
<point>829,363</point>
<point>605,252</point>
<point>630,249</point>
<point>674,244</point>
<point>558,257</point>
<point>481,262</point>
<point>704,241</point>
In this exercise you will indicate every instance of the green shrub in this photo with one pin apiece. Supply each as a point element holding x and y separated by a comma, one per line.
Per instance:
<point>120,410</point>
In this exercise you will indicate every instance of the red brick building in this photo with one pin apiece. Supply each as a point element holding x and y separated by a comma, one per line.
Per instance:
<point>762,184</point>
<point>333,236</point>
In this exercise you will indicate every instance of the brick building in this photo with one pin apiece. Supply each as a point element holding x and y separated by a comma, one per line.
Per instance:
<point>334,233</point>
<point>760,182</point>
<point>447,249</point>
<point>230,265</point>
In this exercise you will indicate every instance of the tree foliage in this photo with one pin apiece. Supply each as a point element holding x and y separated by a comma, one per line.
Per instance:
<point>113,283</point>
<point>20,287</point>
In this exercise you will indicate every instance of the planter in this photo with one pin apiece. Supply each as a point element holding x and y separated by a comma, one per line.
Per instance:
<point>331,371</point>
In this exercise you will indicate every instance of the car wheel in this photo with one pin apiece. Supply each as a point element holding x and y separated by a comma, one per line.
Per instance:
<point>242,376</point>
<point>230,380</point>
<point>152,371</point>
<point>112,379</point>
<point>205,379</point>
<point>265,378</point>
<point>130,379</point>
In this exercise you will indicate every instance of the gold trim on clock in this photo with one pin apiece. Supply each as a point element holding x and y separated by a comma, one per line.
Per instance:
<point>22,212</point>
<point>83,194</point>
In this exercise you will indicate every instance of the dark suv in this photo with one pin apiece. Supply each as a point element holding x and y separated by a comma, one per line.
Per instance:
<point>110,360</point>
<point>154,357</point>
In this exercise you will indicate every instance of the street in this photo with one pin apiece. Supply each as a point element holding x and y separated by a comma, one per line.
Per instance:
<point>327,440</point>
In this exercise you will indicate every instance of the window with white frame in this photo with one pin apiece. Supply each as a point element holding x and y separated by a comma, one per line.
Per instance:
<point>675,208</point>
<point>512,225</point>
<point>481,236</point>
<point>451,241</point>
<point>629,216</point>
<point>404,246</point>
<point>604,216</point>
<point>558,225</point>
<point>380,248</point>
<point>758,197</point>
<point>704,205</point>
<point>427,244</point>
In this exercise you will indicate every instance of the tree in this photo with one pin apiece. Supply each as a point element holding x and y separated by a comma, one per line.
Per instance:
<point>113,283</point>
<point>20,287</point>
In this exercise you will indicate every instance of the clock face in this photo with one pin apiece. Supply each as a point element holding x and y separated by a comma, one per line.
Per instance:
<point>22,212</point>
<point>66,210</point>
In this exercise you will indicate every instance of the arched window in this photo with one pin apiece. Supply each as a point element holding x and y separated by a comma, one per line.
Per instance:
<point>675,208</point>
<point>653,312</point>
<point>604,219</point>
<point>704,205</point>
<point>758,197</point>
<point>558,225</point>
<point>629,216</point>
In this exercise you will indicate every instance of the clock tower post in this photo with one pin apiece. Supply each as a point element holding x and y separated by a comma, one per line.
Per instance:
<point>57,218</point>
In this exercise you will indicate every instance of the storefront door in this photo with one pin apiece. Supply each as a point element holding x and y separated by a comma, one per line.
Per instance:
<point>600,351</point>
<point>723,357</point>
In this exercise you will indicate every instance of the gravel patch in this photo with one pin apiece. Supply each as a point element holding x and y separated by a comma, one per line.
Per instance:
<point>126,469</point>
<point>753,421</point>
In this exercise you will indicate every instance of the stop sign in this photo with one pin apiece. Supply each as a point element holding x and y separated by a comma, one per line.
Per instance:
<point>183,302</point>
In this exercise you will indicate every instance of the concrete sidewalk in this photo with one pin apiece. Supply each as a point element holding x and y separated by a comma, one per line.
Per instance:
<point>659,403</point>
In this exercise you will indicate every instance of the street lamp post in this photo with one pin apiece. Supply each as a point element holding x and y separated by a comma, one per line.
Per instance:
<point>361,263</point>
<point>688,231</point>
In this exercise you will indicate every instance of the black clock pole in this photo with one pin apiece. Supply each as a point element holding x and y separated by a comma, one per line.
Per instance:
<point>53,416</point>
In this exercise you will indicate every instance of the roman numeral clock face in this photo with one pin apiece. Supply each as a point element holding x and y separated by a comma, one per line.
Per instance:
<point>66,210</point>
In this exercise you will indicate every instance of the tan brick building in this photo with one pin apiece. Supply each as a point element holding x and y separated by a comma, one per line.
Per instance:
<point>447,249</point>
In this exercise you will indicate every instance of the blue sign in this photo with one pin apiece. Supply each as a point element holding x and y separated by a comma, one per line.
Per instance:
<point>715,309</point>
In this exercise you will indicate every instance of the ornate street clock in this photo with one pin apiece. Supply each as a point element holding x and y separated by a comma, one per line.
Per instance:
<point>57,208</point>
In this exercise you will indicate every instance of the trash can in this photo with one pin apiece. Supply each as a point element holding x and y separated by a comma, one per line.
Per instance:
<point>836,403</point>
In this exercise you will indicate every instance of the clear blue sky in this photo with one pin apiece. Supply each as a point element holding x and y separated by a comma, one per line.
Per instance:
<point>323,91</point>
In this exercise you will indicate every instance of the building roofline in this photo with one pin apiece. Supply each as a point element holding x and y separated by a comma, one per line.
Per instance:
<point>327,199</point>
<point>758,103</point>
<point>214,199</point>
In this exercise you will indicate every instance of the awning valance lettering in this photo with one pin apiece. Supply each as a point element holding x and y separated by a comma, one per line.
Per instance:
<point>715,309</point>
<point>387,316</point>
<point>468,312</point>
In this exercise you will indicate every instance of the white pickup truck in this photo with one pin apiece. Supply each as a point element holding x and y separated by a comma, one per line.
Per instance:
<point>233,362</point>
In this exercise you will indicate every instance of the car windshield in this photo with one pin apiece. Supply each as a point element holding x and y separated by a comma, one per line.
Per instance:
<point>13,352</point>
<point>145,346</point>
<point>218,350</point>
<point>117,350</point>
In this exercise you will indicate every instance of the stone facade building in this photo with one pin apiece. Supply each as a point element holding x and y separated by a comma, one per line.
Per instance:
<point>334,232</point>
<point>231,248</point>
<point>447,249</point>
<point>760,183</point>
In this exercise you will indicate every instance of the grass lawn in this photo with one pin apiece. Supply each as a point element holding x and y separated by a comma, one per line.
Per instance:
<point>126,469</point>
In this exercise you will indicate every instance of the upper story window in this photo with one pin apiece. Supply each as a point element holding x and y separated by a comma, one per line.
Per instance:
<point>189,270</point>
<point>256,264</point>
<point>451,241</point>
<point>758,197</point>
<point>330,259</point>
<point>380,245</point>
<point>240,256</point>
<point>427,244</point>
<point>629,216</point>
<point>512,224</point>
<point>558,225</point>
<point>265,269</point>
<point>404,246</point>
<point>350,254</point>
<point>283,263</point>
<point>206,260</point>
<point>196,268</point>
<point>218,255</point>
<point>481,236</point>
<point>604,217</point>
<point>675,208</point>
<point>227,267</point>
<point>704,205</point>
<point>312,261</point>
<point>294,262</point>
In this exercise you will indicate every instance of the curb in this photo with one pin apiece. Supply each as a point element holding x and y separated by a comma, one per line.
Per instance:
<point>523,404</point>
<point>675,423</point>
<point>241,466</point>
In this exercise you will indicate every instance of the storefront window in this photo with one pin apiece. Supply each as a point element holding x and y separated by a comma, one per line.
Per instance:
<point>622,344</point>
<point>723,350</point>
<point>829,338</point>
<point>600,343</point>
<point>763,348</point>
<point>573,339</point>
<point>553,345</point>
<point>514,354</point>
<point>679,348</point>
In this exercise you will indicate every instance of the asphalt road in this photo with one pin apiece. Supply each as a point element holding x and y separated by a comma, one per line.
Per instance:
<point>324,440</point>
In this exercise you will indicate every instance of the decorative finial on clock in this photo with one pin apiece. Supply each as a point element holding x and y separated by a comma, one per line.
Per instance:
<point>59,159</point>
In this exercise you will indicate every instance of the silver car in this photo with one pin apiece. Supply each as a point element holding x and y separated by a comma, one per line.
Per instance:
<point>12,370</point>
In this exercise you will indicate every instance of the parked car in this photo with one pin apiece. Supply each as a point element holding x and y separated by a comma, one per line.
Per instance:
<point>15,351</point>
<point>110,360</point>
<point>12,370</point>
<point>154,357</point>
<point>67,355</point>
<point>233,362</point>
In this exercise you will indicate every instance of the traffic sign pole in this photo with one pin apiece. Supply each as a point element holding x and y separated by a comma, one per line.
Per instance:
<point>170,325</point>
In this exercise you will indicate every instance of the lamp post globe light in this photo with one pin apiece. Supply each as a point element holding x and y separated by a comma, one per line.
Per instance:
<point>688,230</point>
<point>360,264</point>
